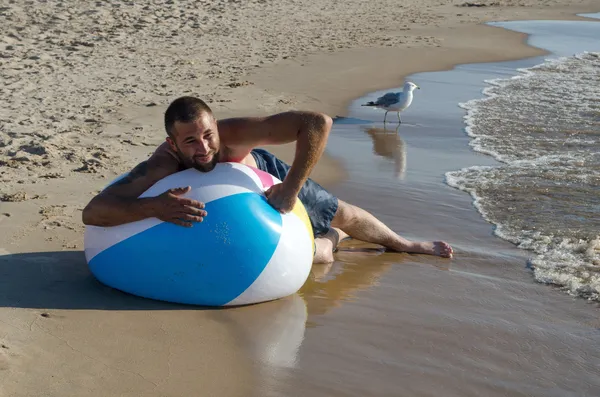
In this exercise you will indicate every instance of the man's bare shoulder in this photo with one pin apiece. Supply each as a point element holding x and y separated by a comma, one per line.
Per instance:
<point>162,163</point>
<point>164,155</point>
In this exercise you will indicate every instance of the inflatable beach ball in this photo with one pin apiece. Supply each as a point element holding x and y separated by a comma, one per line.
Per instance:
<point>243,252</point>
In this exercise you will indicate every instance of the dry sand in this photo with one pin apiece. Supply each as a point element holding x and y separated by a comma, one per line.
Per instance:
<point>84,86</point>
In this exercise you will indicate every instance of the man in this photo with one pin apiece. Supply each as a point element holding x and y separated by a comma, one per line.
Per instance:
<point>196,139</point>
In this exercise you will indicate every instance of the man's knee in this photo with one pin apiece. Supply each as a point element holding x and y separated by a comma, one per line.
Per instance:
<point>345,215</point>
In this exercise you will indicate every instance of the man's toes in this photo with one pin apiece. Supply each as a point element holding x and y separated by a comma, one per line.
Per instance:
<point>444,249</point>
<point>448,250</point>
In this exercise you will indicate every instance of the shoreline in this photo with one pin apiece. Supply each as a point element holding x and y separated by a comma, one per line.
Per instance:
<point>468,44</point>
<point>461,39</point>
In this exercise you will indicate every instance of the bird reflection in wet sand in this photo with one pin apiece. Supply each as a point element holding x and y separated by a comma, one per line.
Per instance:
<point>387,143</point>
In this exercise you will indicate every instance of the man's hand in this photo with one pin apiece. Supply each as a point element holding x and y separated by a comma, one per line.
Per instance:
<point>169,207</point>
<point>281,198</point>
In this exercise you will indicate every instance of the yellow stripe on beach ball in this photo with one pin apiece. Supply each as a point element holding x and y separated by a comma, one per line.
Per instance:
<point>301,213</point>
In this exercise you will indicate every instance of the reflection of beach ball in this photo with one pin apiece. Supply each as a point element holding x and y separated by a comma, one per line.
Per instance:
<point>243,252</point>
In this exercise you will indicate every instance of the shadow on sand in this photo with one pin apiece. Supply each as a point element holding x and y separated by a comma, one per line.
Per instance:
<point>62,280</point>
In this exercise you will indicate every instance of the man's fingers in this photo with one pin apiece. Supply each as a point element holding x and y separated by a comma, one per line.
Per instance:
<point>192,218</point>
<point>181,222</point>
<point>194,211</point>
<point>274,202</point>
<point>191,203</point>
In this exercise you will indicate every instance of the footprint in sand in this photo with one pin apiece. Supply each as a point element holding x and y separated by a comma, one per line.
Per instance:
<point>56,216</point>
<point>19,196</point>
<point>4,357</point>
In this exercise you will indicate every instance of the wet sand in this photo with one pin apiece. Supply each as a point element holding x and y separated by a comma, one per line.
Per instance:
<point>477,325</point>
<point>373,323</point>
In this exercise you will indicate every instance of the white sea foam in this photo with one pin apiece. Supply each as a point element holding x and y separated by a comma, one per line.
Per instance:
<point>544,126</point>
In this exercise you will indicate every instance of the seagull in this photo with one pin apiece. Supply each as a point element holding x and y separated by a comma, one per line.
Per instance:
<point>395,101</point>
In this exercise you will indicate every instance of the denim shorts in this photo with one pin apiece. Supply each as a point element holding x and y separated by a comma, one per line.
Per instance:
<point>320,205</point>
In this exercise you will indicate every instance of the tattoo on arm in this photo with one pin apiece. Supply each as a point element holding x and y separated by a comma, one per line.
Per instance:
<point>140,170</point>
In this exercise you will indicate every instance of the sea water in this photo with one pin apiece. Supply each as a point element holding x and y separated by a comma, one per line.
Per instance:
<point>543,126</point>
<point>382,323</point>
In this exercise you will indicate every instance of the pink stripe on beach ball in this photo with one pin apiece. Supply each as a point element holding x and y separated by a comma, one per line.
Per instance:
<point>266,178</point>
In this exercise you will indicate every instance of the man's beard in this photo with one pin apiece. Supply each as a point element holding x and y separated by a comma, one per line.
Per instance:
<point>202,167</point>
<point>206,167</point>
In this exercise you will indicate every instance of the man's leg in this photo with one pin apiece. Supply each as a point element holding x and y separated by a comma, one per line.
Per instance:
<point>326,245</point>
<point>361,225</point>
<point>327,212</point>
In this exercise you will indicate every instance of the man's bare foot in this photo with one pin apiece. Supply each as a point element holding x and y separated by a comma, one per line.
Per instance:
<point>437,248</point>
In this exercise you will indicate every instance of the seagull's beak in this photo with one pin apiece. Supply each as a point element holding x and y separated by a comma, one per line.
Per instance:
<point>418,88</point>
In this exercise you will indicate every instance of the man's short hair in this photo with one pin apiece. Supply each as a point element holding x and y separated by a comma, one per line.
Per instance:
<point>184,109</point>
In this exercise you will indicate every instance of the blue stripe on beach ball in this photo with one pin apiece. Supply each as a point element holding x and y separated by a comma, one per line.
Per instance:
<point>210,263</point>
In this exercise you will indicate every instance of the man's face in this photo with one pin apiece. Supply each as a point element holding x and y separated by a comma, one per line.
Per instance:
<point>197,143</point>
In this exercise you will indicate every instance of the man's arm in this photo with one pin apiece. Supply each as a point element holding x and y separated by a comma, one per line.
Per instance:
<point>119,203</point>
<point>310,130</point>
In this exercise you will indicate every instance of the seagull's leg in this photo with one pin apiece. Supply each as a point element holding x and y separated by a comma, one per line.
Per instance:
<point>386,112</point>
<point>399,121</point>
